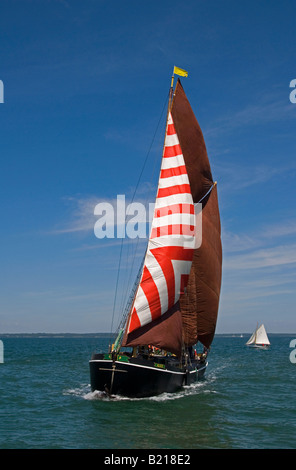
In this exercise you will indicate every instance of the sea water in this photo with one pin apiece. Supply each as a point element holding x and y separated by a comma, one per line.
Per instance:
<point>246,401</point>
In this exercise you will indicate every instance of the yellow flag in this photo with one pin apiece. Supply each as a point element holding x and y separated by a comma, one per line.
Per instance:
<point>180,72</point>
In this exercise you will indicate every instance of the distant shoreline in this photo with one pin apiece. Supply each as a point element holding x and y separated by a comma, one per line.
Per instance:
<point>108,335</point>
<point>56,335</point>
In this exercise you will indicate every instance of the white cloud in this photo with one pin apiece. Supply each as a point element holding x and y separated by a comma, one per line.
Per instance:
<point>82,213</point>
<point>252,115</point>
<point>263,258</point>
<point>233,177</point>
<point>259,277</point>
<point>81,216</point>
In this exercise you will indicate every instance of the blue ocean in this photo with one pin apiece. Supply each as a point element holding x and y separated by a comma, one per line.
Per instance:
<point>246,401</point>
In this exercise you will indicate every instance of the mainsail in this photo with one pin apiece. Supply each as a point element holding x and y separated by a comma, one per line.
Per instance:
<point>176,303</point>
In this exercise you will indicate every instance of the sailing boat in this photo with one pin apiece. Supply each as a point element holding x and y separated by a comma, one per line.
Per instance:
<point>259,338</point>
<point>175,303</point>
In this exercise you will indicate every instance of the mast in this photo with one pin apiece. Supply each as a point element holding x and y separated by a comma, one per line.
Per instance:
<point>255,340</point>
<point>170,96</point>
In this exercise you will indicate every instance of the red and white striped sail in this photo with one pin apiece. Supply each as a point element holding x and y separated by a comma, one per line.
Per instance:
<point>171,244</point>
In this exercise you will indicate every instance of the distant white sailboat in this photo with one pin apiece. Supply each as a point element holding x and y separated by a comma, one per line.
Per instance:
<point>259,338</point>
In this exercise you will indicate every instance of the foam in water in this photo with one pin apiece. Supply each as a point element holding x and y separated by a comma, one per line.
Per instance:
<point>202,386</point>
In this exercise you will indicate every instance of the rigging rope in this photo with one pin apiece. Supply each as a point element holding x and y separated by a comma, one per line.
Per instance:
<point>208,192</point>
<point>126,292</point>
<point>133,197</point>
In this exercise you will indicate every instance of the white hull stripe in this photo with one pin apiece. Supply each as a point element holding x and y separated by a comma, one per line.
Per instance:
<point>146,367</point>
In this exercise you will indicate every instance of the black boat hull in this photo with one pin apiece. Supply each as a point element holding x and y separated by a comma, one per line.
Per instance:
<point>141,378</point>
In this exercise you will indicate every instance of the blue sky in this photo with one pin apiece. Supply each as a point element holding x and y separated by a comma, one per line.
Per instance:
<point>85,83</point>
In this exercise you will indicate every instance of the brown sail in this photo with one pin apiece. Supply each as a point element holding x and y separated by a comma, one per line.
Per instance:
<point>193,317</point>
<point>199,306</point>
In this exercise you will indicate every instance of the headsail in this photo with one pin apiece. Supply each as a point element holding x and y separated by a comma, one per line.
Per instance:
<point>165,313</point>
<point>171,243</point>
<point>169,254</point>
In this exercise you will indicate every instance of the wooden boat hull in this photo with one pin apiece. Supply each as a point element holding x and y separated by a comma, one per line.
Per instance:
<point>138,377</point>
